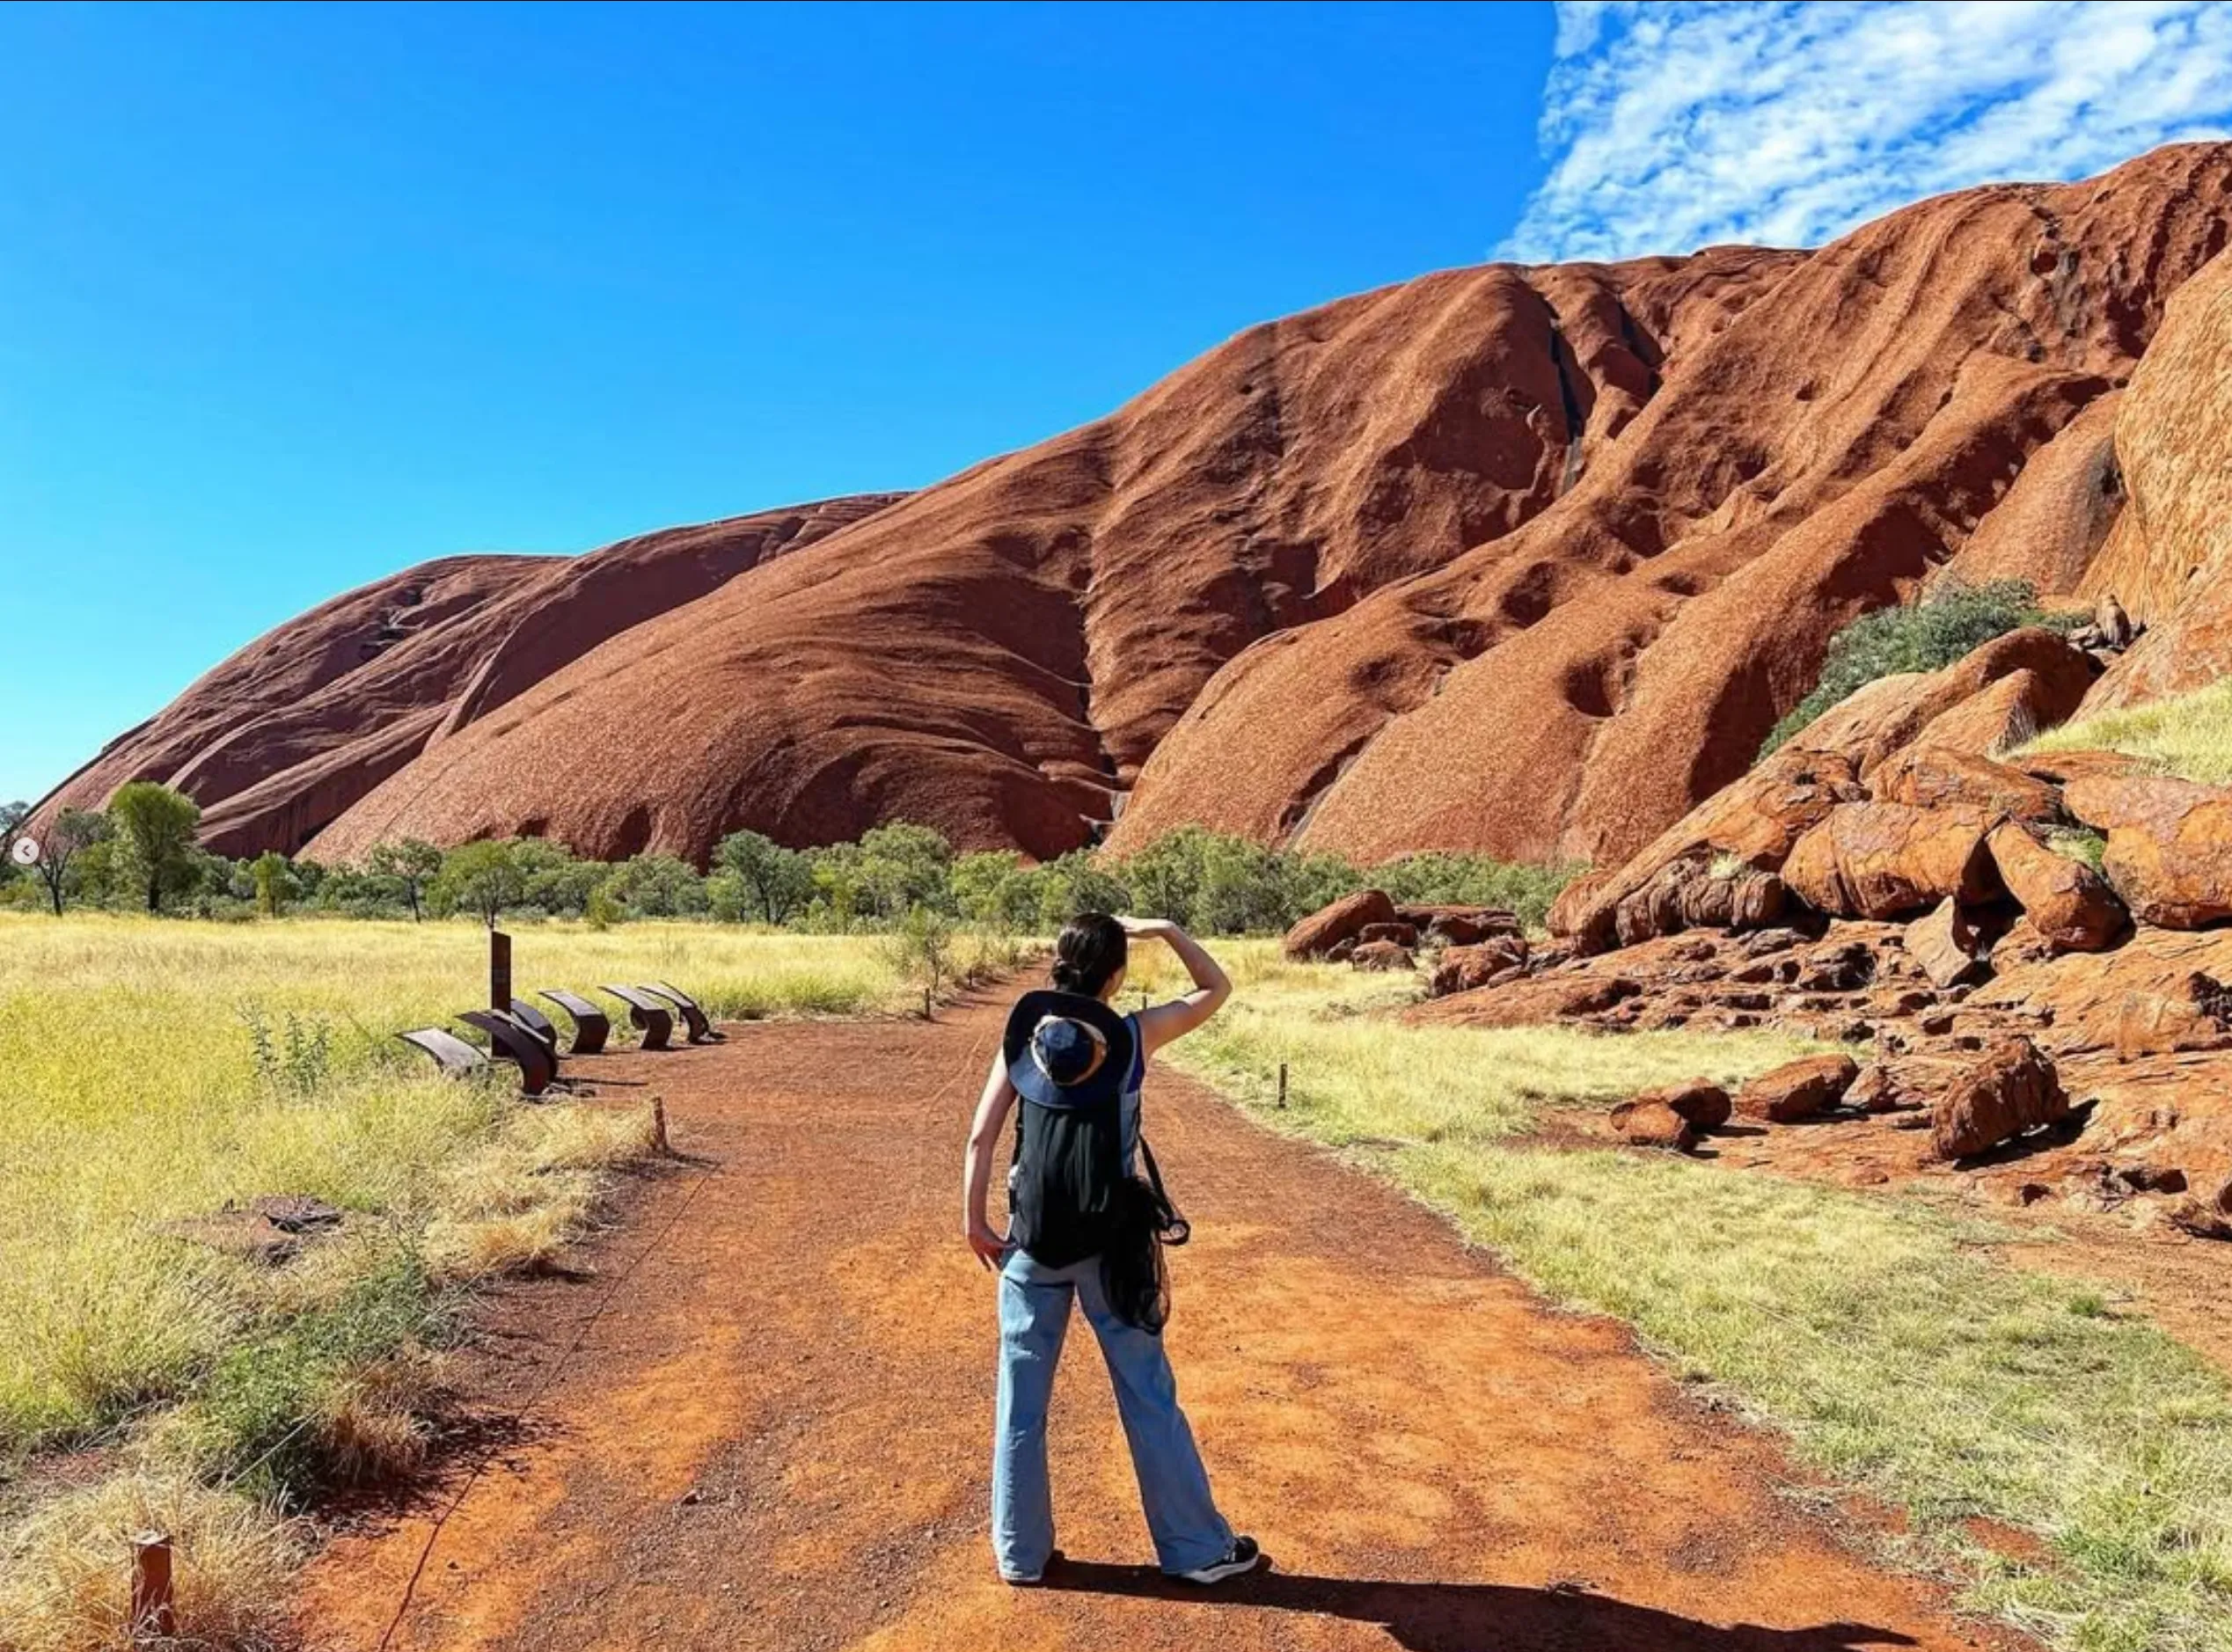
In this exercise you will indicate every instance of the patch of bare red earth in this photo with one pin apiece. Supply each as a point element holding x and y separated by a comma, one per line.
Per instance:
<point>759,1416</point>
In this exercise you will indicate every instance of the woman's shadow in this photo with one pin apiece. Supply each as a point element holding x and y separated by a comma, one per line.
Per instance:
<point>1475,1617</point>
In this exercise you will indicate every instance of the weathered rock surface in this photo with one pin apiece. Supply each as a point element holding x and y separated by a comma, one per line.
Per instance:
<point>2068,904</point>
<point>1928,776</point>
<point>1798,1090</point>
<point>1698,1100</point>
<point>1344,919</point>
<point>1381,954</point>
<point>1468,969</point>
<point>1882,860</point>
<point>2012,1087</point>
<point>2169,845</point>
<point>1947,947</point>
<point>1521,561</point>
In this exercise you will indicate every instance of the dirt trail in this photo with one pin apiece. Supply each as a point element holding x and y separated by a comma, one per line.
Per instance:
<point>761,1418</point>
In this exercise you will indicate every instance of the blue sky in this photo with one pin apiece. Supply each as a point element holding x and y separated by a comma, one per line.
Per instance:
<point>290,299</point>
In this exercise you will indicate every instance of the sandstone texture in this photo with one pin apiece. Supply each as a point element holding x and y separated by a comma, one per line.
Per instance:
<point>2013,1088</point>
<point>1525,560</point>
<point>1345,919</point>
<point>1800,1089</point>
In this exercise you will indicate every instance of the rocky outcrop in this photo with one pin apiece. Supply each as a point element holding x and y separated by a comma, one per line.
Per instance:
<point>1343,920</point>
<point>1468,968</point>
<point>2169,845</point>
<point>1947,947</point>
<point>1381,954</point>
<point>1881,860</point>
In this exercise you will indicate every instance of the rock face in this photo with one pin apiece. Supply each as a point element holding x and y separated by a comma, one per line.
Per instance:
<point>2169,845</point>
<point>1466,968</point>
<point>2011,1089</point>
<point>1887,859</point>
<point>1381,954</point>
<point>2066,902</point>
<point>1521,561</point>
<point>1345,919</point>
<point>1947,947</point>
<point>292,732</point>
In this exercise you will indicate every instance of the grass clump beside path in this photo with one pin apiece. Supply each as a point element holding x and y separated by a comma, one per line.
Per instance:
<point>151,1073</point>
<point>2186,735</point>
<point>1877,1333</point>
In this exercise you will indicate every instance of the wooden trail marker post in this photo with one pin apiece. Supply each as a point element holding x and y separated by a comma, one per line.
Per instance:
<point>499,971</point>
<point>1282,1084</point>
<point>152,1613</point>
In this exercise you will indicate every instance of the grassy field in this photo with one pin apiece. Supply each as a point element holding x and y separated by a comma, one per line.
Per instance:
<point>2187,735</point>
<point>151,1073</point>
<point>1877,1332</point>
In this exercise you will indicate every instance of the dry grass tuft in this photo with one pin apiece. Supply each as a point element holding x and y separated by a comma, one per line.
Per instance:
<point>65,1572</point>
<point>2186,734</point>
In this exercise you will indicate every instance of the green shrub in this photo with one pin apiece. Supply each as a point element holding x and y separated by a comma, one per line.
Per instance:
<point>1945,624</point>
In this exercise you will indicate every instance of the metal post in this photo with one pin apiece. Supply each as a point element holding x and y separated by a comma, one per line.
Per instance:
<point>1282,1084</point>
<point>152,1609</point>
<point>499,971</point>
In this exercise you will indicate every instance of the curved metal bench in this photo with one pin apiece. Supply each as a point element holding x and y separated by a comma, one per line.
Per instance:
<point>655,1018</point>
<point>692,1017</point>
<point>591,1026</point>
<point>511,1040</point>
<point>451,1053</point>
<point>536,1022</point>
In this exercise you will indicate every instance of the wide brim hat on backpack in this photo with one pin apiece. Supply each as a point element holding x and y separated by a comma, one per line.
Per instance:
<point>1064,1049</point>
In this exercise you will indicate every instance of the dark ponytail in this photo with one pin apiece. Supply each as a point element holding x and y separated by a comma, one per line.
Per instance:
<point>1089,955</point>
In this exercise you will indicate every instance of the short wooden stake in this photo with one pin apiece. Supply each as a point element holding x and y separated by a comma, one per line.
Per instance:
<point>659,1142</point>
<point>1282,1084</point>
<point>925,1005</point>
<point>152,1609</point>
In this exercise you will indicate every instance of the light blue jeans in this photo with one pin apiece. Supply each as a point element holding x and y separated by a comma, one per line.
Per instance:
<point>1174,1487</point>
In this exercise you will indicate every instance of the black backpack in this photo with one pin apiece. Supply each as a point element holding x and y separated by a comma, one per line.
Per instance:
<point>1069,1198</point>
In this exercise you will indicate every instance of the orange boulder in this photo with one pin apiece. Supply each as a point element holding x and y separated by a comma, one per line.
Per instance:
<point>2066,902</point>
<point>1647,1122</point>
<point>1344,919</point>
<point>2011,1088</point>
<point>2169,845</point>
<point>1881,860</point>
<point>1928,776</point>
<point>1798,1089</point>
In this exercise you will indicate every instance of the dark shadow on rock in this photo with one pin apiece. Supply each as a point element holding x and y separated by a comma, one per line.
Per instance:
<point>1475,1617</point>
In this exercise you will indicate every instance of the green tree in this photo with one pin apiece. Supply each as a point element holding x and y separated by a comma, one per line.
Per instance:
<point>67,837</point>
<point>12,815</point>
<point>154,826</point>
<point>274,876</point>
<point>839,879</point>
<point>554,880</point>
<point>409,866</point>
<point>1080,881</point>
<point>482,877</point>
<point>657,886</point>
<point>995,888</point>
<point>903,865</point>
<point>779,881</point>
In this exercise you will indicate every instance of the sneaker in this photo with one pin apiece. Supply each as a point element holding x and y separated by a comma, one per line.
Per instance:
<point>1243,1556</point>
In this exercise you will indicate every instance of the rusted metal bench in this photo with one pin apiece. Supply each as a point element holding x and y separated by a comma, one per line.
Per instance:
<point>692,1017</point>
<point>536,1022</point>
<point>510,1039</point>
<point>591,1026</point>
<point>451,1053</point>
<point>655,1018</point>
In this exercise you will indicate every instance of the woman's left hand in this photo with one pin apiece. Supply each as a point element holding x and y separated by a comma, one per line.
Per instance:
<point>991,1247</point>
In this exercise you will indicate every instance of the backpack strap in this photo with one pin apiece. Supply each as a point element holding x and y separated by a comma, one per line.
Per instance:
<point>1170,1227</point>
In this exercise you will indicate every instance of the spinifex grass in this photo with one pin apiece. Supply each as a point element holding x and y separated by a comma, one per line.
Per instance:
<point>1877,1333</point>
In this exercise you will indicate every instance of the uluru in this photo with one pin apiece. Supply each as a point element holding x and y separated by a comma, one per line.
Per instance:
<point>1519,560</point>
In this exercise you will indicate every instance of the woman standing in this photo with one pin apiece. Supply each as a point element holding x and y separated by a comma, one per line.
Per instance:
<point>1084,1226</point>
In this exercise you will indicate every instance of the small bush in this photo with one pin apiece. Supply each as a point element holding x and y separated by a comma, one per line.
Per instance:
<point>1927,635</point>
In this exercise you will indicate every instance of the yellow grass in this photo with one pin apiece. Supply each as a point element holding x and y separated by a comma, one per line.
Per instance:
<point>1877,1332</point>
<point>154,1072</point>
<point>2187,735</point>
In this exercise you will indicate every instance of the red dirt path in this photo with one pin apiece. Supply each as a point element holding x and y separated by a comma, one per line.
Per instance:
<point>760,1417</point>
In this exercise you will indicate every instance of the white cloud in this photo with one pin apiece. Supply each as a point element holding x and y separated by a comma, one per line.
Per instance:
<point>1671,127</point>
